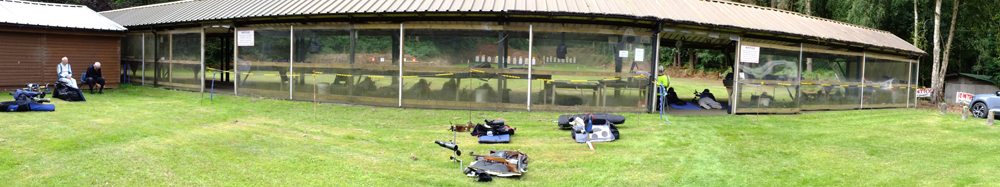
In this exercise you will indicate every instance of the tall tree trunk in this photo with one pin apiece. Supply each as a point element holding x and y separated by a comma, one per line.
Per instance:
<point>809,64</point>
<point>936,59</point>
<point>691,61</point>
<point>677,58</point>
<point>916,25</point>
<point>947,47</point>
<point>809,7</point>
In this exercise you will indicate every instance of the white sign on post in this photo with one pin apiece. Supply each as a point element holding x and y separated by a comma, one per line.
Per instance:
<point>623,53</point>
<point>963,98</point>
<point>749,54</point>
<point>244,38</point>
<point>639,54</point>
<point>924,92</point>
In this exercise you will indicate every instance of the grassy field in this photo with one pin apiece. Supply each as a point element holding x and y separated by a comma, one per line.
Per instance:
<point>135,136</point>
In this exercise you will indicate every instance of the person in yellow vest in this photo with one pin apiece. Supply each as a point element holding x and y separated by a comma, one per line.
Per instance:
<point>664,80</point>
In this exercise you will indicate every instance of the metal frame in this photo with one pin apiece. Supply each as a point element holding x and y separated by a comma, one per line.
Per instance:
<point>531,42</point>
<point>143,78</point>
<point>650,97</point>
<point>909,81</point>
<point>201,79</point>
<point>401,55</point>
<point>236,57</point>
<point>291,61</point>
<point>736,75</point>
<point>651,101</point>
<point>864,58</point>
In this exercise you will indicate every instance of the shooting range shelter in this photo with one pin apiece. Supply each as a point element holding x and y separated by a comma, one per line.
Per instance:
<point>35,36</point>
<point>573,56</point>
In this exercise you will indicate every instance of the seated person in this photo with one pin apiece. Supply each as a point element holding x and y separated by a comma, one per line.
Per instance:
<point>672,98</point>
<point>707,100</point>
<point>94,77</point>
<point>65,73</point>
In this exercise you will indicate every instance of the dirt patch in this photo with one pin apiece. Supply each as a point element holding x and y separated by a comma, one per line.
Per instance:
<point>952,108</point>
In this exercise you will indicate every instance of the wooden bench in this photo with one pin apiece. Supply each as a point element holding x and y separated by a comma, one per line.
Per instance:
<point>597,90</point>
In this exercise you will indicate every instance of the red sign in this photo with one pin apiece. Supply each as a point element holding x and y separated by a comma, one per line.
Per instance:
<point>963,98</point>
<point>924,92</point>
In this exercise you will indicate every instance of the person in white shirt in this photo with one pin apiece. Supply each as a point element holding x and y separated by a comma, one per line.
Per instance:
<point>65,73</point>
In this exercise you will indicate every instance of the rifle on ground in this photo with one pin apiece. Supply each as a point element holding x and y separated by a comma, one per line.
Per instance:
<point>510,166</point>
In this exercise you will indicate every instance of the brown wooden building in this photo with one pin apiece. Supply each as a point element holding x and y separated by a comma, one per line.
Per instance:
<point>35,36</point>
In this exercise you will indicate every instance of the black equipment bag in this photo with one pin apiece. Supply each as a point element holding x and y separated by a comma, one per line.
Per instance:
<point>67,93</point>
<point>598,119</point>
<point>496,126</point>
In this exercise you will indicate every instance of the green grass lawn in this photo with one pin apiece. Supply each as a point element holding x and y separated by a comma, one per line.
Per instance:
<point>134,136</point>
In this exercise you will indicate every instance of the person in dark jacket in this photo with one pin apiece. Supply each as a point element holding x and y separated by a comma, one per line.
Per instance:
<point>94,78</point>
<point>672,97</point>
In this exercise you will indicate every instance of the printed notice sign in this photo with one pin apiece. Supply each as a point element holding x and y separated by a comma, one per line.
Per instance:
<point>963,98</point>
<point>244,38</point>
<point>749,54</point>
<point>623,53</point>
<point>639,54</point>
<point>924,92</point>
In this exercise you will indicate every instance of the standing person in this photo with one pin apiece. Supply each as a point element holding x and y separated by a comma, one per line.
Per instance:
<point>728,82</point>
<point>65,73</point>
<point>707,100</point>
<point>94,77</point>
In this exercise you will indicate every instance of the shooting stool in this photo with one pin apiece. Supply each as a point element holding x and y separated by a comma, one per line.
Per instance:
<point>83,76</point>
<point>990,116</point>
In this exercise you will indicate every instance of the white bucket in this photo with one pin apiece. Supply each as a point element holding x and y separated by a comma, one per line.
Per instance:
<point>322,88</point>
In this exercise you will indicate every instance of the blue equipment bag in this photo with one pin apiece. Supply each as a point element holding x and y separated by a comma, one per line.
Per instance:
<point>24,106</point>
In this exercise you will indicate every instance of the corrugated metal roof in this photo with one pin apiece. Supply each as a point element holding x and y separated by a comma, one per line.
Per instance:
<point>986,78</point>
<point>700,12</point>
<point>54,15</point>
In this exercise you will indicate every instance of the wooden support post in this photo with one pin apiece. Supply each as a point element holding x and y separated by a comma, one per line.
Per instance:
<point>458,84</point>
<point>965,112</point>
<point>314,95</point>
<point>989,118</point>
<point>170,56</point>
